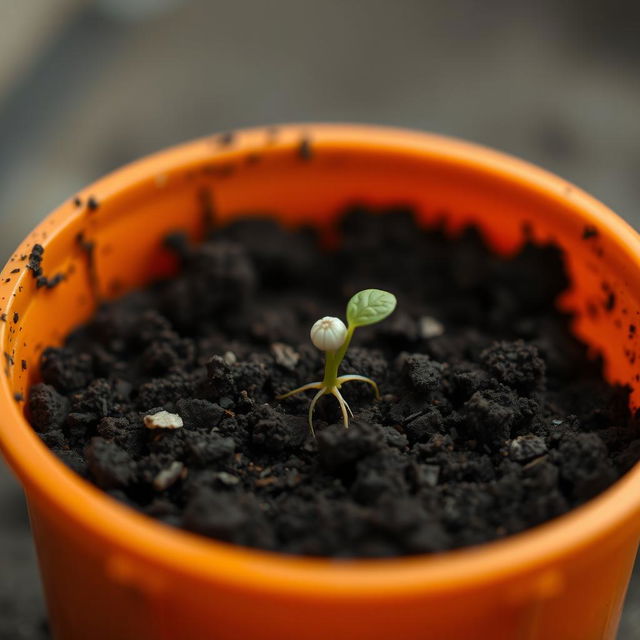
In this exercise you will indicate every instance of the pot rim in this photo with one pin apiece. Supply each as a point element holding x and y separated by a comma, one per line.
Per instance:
<point>135,538</point>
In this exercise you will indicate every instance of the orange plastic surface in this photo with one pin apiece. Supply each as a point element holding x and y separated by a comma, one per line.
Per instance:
<point>112,574</point>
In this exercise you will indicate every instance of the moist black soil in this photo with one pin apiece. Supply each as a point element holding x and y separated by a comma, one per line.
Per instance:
<point>493,418</point>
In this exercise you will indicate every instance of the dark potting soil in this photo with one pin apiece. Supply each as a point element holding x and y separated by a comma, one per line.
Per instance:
<point>492,420</point>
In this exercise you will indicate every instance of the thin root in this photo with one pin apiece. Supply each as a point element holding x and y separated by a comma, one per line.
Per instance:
<point>334,391</point>
<point>312,406</point>
<point>349,378</point>
<point>343,406</point>
<point>306,387</point>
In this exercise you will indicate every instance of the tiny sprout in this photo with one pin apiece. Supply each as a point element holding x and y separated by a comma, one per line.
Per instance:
<point>332,336</point>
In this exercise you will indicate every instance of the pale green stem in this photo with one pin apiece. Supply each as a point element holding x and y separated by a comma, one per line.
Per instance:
<point>345,345</point>
<point>334,359</point>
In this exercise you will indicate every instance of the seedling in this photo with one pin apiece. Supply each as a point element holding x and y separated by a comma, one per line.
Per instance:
<point>332,336</point>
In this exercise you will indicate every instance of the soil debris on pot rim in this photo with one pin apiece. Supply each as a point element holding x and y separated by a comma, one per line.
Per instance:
<point>493,419</point>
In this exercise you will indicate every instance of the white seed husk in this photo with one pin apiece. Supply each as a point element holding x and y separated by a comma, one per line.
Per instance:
<point>328,333</point>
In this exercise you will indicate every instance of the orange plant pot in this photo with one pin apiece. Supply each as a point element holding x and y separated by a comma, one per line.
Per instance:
<point>112,574</point>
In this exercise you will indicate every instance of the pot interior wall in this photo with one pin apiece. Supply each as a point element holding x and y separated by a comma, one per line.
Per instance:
<point>117,247</point>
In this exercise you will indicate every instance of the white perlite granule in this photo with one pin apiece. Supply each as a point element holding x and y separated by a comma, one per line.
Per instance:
<point>168,476</point>
<point>230,358</point>
<point>285,355</point>
<point>163,420</point>
<point>430,327</point>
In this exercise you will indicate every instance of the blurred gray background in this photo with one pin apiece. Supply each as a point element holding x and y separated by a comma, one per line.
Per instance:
<point>87,86</point>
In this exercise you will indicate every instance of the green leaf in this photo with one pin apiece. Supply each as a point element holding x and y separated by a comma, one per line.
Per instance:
<point>370,306</point>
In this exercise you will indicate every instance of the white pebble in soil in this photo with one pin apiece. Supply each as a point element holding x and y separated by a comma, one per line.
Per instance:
<point>285,355</point>
<point>230,358</point>
<point>430,327</point>
<point>168,476</point>
<point>163,420</point>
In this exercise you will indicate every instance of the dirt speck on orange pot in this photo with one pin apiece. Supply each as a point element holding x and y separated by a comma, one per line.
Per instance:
<point>111,573</point>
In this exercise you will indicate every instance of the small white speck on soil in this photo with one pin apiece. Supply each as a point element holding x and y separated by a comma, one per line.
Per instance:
<point>230,358</point>
<point>163,420</point>
<point>430,327</point>
<point>168,476</point>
